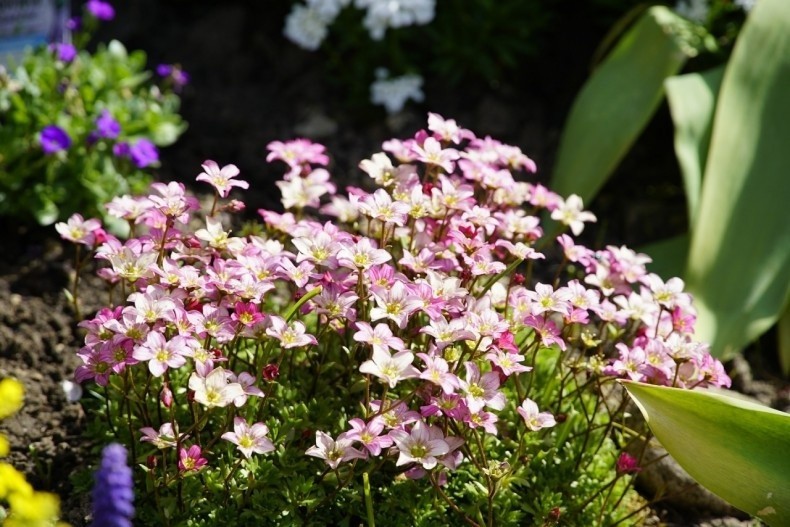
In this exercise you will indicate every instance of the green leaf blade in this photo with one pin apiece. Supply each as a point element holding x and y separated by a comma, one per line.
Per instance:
<point>736,449</point>
<point>739,260</point>
<point>692,101</point>
<point>618,100</point>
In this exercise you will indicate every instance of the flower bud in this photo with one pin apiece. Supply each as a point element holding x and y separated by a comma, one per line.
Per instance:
<point>152,461</point>
<point>270,372</point>
<point>166,396</point>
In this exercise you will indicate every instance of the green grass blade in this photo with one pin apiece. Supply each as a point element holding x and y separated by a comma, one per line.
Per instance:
<point>692,101</point>
<point>619,99</point>
<point>736,449</point>
<point>739,260</point>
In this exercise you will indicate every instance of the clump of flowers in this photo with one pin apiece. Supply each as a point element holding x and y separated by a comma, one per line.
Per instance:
<point>411,332</point>
<point>20,504</point>
<point>77,127</point>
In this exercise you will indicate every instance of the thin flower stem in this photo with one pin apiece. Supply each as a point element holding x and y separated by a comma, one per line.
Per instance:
<point>451,503</point>
<point>368,499</point>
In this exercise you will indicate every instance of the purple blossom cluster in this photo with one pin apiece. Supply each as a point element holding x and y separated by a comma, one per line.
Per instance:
<point>113,493</point>
<point>423,273</point>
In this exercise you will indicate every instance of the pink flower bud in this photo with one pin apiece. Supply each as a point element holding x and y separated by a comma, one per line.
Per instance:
<point>166,396</point>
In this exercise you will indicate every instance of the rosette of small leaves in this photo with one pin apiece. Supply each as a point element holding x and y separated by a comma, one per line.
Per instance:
<point>59,153</point>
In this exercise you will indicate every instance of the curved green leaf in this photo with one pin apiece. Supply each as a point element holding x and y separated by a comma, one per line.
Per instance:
<point>739,259</point>
<point>692,100</point>
<point>619,99</point>
<point>736,449</point>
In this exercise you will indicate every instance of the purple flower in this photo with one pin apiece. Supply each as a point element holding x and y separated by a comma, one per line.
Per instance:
<point>100,9</point>
<point>106,126</point>
<point>143,153</point>
<point>74,23</point>
<point>113,493</point>
<point>173,73</point>
<point>54,139</point>
<point>65,52</point>
<point>121,149</point>
<point>164,70</point>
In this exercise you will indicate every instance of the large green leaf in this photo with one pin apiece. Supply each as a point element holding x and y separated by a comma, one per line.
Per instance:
<point>736,449</point>
<point>619,99</point>
<point>669,256</point>
<point>692,100</point>
<point>739,259</point>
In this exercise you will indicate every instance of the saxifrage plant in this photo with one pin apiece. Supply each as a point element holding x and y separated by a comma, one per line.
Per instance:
<point>400,355</point>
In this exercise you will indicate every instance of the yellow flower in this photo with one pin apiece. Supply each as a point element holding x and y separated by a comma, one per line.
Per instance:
<point>13,482</point>
<point>36,509</point>
<point>4,446</point>
<point>12,394</point>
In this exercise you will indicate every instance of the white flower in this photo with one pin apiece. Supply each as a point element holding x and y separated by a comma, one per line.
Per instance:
<point>384,14</point>
<point>570,213</point>
<point>695,10</point>
<point>393,93</point>
<point>305,27</point>
<point>249,439</point>
<point>746,5</point>
<point>327,9</point>
<point>214,389</point>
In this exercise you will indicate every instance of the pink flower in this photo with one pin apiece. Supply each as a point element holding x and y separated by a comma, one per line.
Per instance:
<point>249,439</point>
<point>569,212</point>
<point>431,152</point>
<point>627,464</point>
<point>422,445</point>
<point>221,178</point>
<point>162,354</point>
<point>390,368</point>
<point>297,152</point>
<point>290,336</point>
<point>369,434</point>
<point>438,372</point>
<point>534,419</point>
<point>191,460</point>
<point>334,451</point>
<point>79,230</point>
<point>481,390</point>
<point>165,437</point>
<point>380,338</point>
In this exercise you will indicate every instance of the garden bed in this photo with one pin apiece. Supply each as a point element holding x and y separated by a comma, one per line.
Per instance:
<point>250,87</point>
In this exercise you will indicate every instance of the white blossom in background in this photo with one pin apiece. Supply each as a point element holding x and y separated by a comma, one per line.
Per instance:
<point>695,10</point>
<point>746,5</point>
<point>306,27</point>
<point>384,14</point>
<point>327,9</point>
<point>393,93</point>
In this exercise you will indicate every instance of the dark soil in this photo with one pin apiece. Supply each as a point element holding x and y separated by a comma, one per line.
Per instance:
<point>250,87</point>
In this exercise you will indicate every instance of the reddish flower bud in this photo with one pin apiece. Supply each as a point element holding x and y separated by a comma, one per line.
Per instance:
<point>152,461</point>
<point>270,372</point>
<point>190,396</point>
<point>518,279</point>
<point>193,304</point>
<point>216,353</point>
<point>554,515</point>
<point>627,464</point>
<point>100,236</point>
<point>561,418</point>
<point>166,396</point>
<point>426,188</point>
